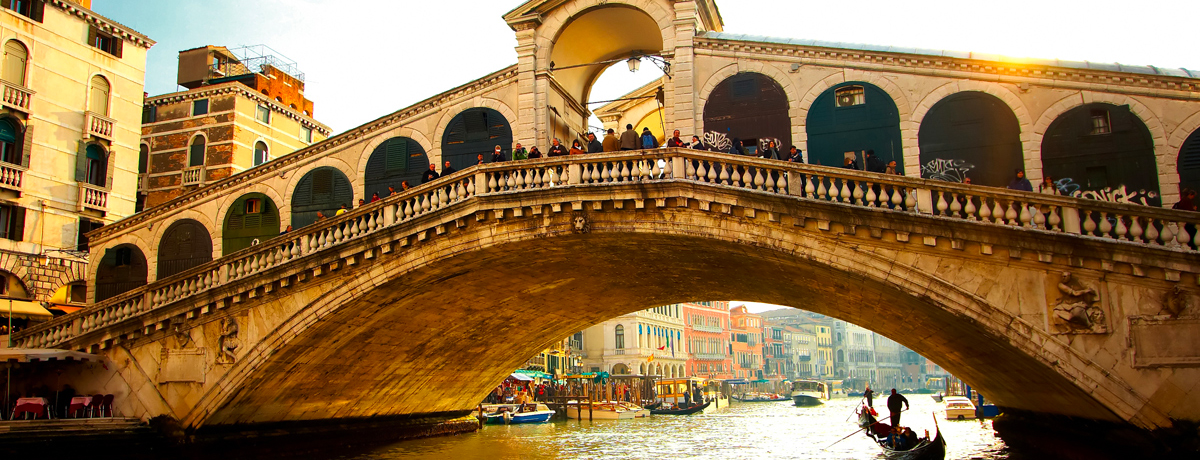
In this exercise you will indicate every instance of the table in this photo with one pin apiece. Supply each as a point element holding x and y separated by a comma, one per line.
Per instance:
<point>35,406</point>
<point>78,403</point>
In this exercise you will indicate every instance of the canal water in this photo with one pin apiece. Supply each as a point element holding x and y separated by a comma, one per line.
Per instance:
<point>743,430</point>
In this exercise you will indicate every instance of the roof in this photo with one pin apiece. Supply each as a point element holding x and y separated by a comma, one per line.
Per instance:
<point>112,26</point>
<point>1108,67</point>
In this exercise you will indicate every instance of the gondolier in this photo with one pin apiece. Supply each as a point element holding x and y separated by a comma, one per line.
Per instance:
<point>894,402</point>
<point>870,395</point>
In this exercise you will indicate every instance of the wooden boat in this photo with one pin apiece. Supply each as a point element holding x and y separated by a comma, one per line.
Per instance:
<point>688,411</point>
<point>926,449</point>
<point>761,398</point>
<point>605,410</point>
<point>502,414</point>
<point>936,397</point>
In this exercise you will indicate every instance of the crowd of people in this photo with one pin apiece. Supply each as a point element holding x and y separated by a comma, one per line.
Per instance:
<point>513,391</point>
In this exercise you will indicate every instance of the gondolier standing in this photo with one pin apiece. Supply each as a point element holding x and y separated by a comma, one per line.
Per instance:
<point>893,403</point>
<point>870,395</point>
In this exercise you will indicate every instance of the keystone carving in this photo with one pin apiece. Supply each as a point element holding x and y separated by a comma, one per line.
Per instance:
<point>229,343</point>
<point>1078,309</point>
<point>581,223</point>
<point>1174,302</point>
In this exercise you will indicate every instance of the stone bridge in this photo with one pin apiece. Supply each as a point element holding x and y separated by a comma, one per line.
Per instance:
<point>416,305</point>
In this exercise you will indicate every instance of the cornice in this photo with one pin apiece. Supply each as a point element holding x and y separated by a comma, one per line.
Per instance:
<point>924,64</point>
<point>291,160</point>
<point>105,24</point>
<point>241,90</point>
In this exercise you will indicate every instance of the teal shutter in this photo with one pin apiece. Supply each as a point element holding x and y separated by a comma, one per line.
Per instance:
<point>27,145</point>
<point>81,162</point>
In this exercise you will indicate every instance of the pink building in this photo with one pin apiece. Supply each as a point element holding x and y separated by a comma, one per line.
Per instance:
<point>706,333</point>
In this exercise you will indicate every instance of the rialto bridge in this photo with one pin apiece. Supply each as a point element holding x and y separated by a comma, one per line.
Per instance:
<point>417,304</point>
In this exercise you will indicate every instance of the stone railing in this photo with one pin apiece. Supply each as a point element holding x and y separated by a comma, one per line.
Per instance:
<point>17,97</point>
<point>98,125</point>
<point>11,176</point>
<point>710,356</point>
<point>706,328</point>
<point>92,197</point>
<point>193,175</point>
<point>1119,223</point>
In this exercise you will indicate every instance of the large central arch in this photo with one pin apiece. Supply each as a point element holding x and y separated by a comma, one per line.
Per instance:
<point>359,342</point>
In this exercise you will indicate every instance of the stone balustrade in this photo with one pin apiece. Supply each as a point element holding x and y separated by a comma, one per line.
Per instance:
<point>710,356</point>
<point>11,176</point>
<point>17,97</point>
<point>92,197</point>
<point>193,175</point>
<point>1102,221</point>
<point>705,328</point>
<point>98,125</point>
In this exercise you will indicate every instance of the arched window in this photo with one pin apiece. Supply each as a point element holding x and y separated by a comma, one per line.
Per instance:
<point>143,159</point>
<point>15,58</point>
<point>96,165</point>
<point>1189,163</point>
<point>323,190</point>
<point>970,134</point>
<point>1102,151</point>
<point>252,219</point>
<point>750,107</point>
<point>847,120</point>
<point>98,100</point>
<point>122,269</point>
<point>196,152</point>
<point>260,153</point>
<point>184,245</point>
<point>620,337</point>
<point>473,132</point>
<point>10,142</point>
<point>394,161</point>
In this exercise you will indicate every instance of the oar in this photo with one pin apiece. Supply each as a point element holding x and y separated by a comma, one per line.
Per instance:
<point>847,437</point>
<point>864,398</point>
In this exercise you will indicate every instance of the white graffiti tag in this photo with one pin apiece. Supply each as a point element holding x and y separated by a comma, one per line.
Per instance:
<point>952,170</point>
<point>717,141</point>
<point>1113,195</point>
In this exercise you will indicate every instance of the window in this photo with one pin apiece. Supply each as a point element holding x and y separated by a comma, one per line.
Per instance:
<point>15,57</point>
<point>620,337</point>
<point>10,144</point>
<point>1101,123</point>
<point>305,134</point>
<point>12,222</point>
<point>32,9</point>
<point>253,206</point>
<point>124,257</point>
<point>85,226</point>
<point>105,42</point>
<point>149,114</point>
<point>98,101</point>
<point>263,114</point>
<point>96,169</point>
<point>199,107</point>
<point>143,159</point>
<point>260,153</point>
<point>196,152</point>
<point>850,96</point>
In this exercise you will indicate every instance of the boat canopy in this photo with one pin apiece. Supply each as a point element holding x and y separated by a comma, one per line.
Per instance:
<point>736,381</point>
<point>534,374</point>
<point>521,377</point>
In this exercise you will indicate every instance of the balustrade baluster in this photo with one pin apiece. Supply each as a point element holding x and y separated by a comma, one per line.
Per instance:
<point>1089,224</point>
<point>1105,226</point>
<point>702,172</point>
<point>689,169</point>
<point>471,186</point>
<point>510,183</point>
<point>1010,213</point>
<point>910,200</point>
<point>1172,236</point>
<point>942,205</point>
<point>970,208</point>
<point>491,182</point>
<point>844,192</point>
<point>1025,217</point>
<point>426,203</point>
<point>810,190</point>
<point>871,196</point>
<point>821,190</point>
<point>596,172</point>
<point>857,194</point>
<point>955,205</point>
<point>1039,218</point>
<point>781,184</point>
<point>1055,221</point>
<point>758,179</point>
<point>1152,232</point>
<point>724,174</point>
<point>1121,228</point>
<point>998,212</point>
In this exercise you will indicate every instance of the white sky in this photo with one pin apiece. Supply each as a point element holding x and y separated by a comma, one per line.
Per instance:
<point>756,307</point>
<point>367,58</point>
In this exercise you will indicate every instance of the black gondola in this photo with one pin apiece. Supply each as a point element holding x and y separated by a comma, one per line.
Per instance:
<point>934,449</point>
<point>689,411</point>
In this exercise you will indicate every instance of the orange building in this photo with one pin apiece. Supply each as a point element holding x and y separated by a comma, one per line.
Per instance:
<point>746,339</point>
<point>706,333</point>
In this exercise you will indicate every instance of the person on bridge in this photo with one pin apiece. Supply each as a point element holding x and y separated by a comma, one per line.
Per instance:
<point>1048,187</point>
<point>1020,182</point>
<point>498,155</point>
<point>447,169</point>
<point>519,153</point>
<point>629,139</point>
<point>894,403</point>
<point>611,144</point>
<point>675,141</point>
<point>430,175</point>
<point>576,148</point>
<point>771,152</point>
<point>870,395</point>
<point>698,144</point>
<point>594,146</point>
<point>794,155</point>
<point>648,139</point>
<point>534,153</point>
<point>874,164</point>
<point>556,149</point>
<point>1187,201</point>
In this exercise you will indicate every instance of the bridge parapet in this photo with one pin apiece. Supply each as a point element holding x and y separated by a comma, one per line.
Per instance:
<point>151,308</point>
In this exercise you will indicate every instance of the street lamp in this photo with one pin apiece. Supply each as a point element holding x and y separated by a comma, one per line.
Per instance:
<point>635,63</point>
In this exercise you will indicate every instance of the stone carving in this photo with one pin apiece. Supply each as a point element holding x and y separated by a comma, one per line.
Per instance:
<point>1174,302</point>
<point>228,343</point>
<point>1078,309</point>
<point>183,337</point>
<point>581,224</point>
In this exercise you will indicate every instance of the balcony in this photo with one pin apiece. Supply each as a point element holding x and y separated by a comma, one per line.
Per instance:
<point>17,97</point>
<point>98,125</point>
<point>92,197</point>
<point>710,356</point>
<point>703,328</point>
<point>143,182</point>
<point>11,176</point>
<point>193,175</point>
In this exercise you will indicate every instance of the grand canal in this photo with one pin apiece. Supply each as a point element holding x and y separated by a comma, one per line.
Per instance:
<point>742,430</point>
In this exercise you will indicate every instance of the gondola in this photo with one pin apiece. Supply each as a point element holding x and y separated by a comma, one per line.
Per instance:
<point>652,406</point>
<point>934,449</point>
<point>761,399</point>
<point>689,411</point>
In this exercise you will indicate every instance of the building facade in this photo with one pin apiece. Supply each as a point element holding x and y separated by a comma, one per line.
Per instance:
<point>73,85</point>
<point>646,342</point>
<point>242,108</point>
<point>804,350</point>
<point>706,332</point>
<point>746,338</point>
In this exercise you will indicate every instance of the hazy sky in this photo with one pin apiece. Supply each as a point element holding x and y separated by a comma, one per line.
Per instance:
<point>367,58</point>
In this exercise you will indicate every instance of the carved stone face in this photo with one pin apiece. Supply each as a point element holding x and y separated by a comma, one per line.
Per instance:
<point>580,223</point>
<point>1066,276</point>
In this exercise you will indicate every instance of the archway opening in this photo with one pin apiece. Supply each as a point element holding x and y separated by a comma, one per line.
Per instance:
<point>321,192</point>
<point>750,109</point>
<point>1103,152</point>
<point>475,132</point>
<point>971,134</point>
<point>184,245</point>
<point>251,219</point>
<point>1189,163</point>
<point>849,119</point>
<point>392,163</point>
<point>122,269</point>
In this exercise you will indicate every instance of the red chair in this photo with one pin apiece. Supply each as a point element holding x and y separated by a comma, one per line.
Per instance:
<point>96,405</point>
<point>107,404</point>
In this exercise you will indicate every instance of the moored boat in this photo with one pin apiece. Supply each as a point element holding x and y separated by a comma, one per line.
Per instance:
<point>694,408</point>
<point>499,414</point>
<point>761,397</point>
<point>808,392</point>
<point>605,410</point>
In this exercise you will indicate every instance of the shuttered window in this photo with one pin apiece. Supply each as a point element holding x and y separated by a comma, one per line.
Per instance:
<point>10,151</point>
<point>122,269</point>
<point>98,101</point>
<point>196,152</point>
<point>260,153</point>
<point>185,244</point>
<point>12,222</point>
<point>15,57</point>
<point>324,190</point>
<point>394,161</point>
<point>97,167</point>
<point>1189,163</point>
<point>32,9</point>
<point>241,229</point>
<point>473,132</point>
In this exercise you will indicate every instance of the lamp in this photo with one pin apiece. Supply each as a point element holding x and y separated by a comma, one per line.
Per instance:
<point>635,63</point>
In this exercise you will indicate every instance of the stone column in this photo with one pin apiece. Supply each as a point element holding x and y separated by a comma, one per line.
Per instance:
<point>528,126</point>
<point>680,110</point>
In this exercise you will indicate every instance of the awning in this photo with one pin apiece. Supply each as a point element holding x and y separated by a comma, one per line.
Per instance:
<point>32,355</point>
<point>521,377</point>
<point>534,374</point>
<point>68,309</point>
<point>736,381</point>
<point>24,309</point>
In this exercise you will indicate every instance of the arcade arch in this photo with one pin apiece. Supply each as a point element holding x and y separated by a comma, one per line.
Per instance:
<point>393,162</point>
<point>970,134</point>
<point>749,107</point>
<point>122,269</point>
<point>475,131</point>
<point>251,219</point>
<point>1102,151</point>
<point>321,190</point>
<point>185,244</point>
<point>850,118</point>
<point>1189,163</point>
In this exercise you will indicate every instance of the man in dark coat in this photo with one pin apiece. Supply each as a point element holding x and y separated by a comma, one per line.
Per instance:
<point>648,139</point>
<point>874,164</point>
<point>611,144</point>
<point>870,395</point>
<point>556,149</point>
<point>430,175</point>
<point>498,155</point>
<point>1020,182</point>
<point>448,170</point>
<point>794,155</point>
<point>894,403</point>
<point>675,141</point>
<point>594,146</point>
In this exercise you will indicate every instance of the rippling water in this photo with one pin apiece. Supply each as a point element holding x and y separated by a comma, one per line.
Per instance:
<point>742,430</point>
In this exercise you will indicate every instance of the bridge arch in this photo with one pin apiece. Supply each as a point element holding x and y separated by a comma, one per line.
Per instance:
<point>854,116</point>
<point>750,105</point>
<point>186,243</point>
<point>320,190</point>
<point>970,133</point>
<point>639,266</point>
<point>780,77</point>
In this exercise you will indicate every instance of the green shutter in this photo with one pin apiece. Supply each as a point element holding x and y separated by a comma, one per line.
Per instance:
<point>17,232</point>
<point>27,145</point>
<point>397,154</point>
<point>81,162</point>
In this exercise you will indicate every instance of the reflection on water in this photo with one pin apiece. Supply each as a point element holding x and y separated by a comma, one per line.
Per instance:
<point>743,430</point>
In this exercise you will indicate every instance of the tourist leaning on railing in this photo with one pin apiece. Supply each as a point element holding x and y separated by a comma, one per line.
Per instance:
<point>593,145</point>
<point>519,153</point>
<point>611,144</point>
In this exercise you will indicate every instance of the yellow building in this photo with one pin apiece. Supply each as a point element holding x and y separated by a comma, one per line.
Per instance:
<point>824,349</point>
<point>242,108</point>
<point>69,131</point>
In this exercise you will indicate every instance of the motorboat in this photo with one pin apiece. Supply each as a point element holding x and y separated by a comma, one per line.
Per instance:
<point>958,408</point>
<point>605,410</point>
<point>809,392</point>
<point>511,414</point>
